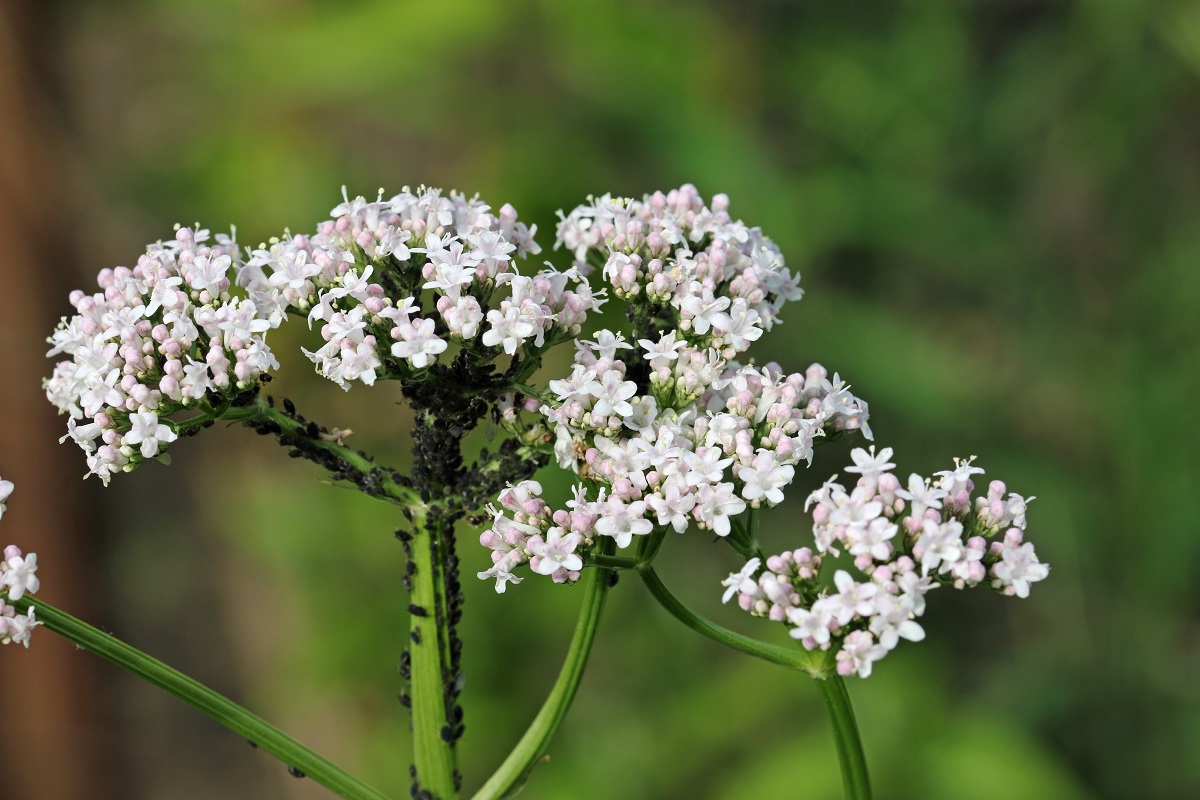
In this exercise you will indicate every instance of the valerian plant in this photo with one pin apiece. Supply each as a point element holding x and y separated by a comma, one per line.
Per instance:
<point>667,425</point>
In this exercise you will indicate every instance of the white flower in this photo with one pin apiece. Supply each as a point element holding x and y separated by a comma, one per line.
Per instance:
<point>740,325</point>
<point>893,620</point>
<point>19,574</point>
<point>6,489</point>
<point>766,478</point>
<point>508,329</point>
<point>858,653</point>
<point>854,510</point>
<point>18,627</point>
<point>1018,567</point>
<point>608,343</point>
<point>146,430</point>
<point>207,274</point>
<point>556,551</point>
<point>672,504</point>
<point>612,395</point>
<point>742,581</point>
<point>661,353</point>
<point>502,571</point>
<point>853,599</point>
<point>418,343</point>
<point>716,504</point>
<point>705,310</point>
<point>921,495</point>
<point>871,465</point>
<point>873,540</point>
<point>956,480</point>
<point>812,625</point>
<point>622,521</point>
<point>940,544</point>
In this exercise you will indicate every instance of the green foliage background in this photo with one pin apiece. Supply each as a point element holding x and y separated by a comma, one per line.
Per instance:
<point>994,206</point>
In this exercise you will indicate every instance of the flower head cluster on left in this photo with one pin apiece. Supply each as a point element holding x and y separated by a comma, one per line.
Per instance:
<point>18,575</point>
<point>168,334</point>
<point>393,283</point>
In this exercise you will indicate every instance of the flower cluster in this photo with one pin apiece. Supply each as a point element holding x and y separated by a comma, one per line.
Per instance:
<point>905,540</point>
<point>18,575</point>
<point>162,336</point>
<point>362,276</point>
<point>665,432</point>
<point>724,280</point>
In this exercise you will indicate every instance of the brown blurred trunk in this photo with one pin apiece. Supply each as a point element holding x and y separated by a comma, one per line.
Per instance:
<point>53,737</point>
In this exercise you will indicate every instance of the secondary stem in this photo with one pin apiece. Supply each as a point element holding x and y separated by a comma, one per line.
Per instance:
<point>259,732</point>
<point>532,747</point>
<point>833,688</point>
<point>845,737</point>
<point>344,462</point>
<point>812,663</point>
<point>433,734</point>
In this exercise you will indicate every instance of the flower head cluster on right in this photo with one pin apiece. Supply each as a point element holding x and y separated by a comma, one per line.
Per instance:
<point>905,540</point>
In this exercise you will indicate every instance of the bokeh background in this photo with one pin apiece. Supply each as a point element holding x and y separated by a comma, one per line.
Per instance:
<point>995,208</point>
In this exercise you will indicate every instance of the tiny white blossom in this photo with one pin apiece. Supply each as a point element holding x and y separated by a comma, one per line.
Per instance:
<point>19,573</point>
<point>766,478</point>
<point>556,551</point>
<point>736,580</point>
<point>146,430</point>
<point>1018,567</point>
<point>418,343</point>
<point>6,489</point>
<point>870,464</point>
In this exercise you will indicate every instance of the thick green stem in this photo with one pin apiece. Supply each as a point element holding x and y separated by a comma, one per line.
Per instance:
<point>845,736</point>
<point>816,664</point>
<point>433,735</point>
<point>532,747</point>
<point>205,700</point>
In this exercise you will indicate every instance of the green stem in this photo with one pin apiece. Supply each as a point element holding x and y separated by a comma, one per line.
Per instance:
<point>433,741</point>
<point>532,747</point>
<point>262,734</point>
<point>815,663</point>
<point>845,736</point>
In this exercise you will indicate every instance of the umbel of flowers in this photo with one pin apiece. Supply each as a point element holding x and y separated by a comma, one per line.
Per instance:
<point>905,540</point>
<point>669,430</point>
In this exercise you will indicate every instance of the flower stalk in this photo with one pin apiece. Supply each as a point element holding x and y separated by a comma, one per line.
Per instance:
<point>815,664</point>
<point>530,750</point>
<point>254,729</point>
<point>845,736</point>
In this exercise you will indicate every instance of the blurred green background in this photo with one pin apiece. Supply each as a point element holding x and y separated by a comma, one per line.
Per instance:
<point>994,206</point>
